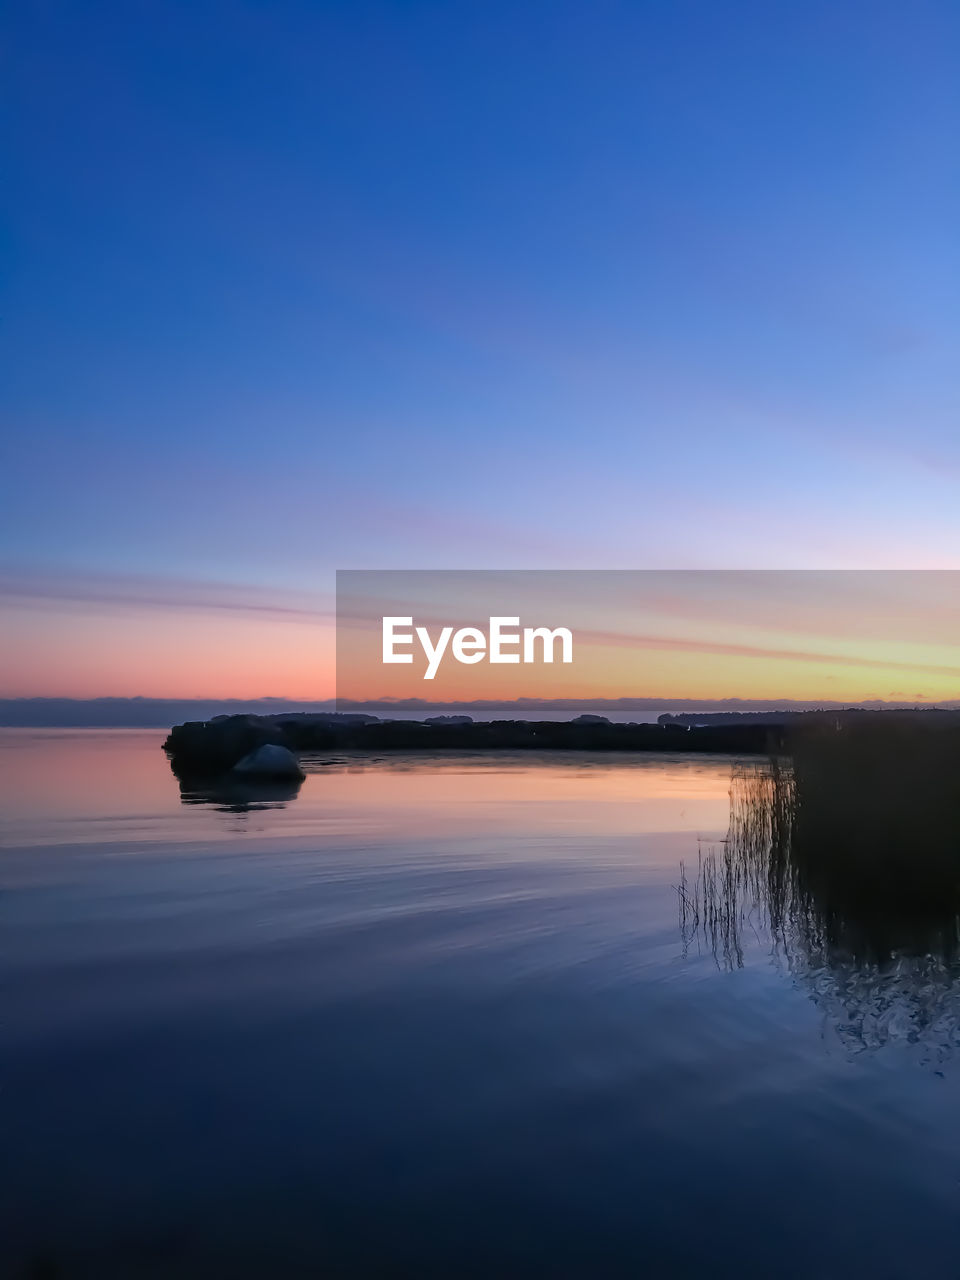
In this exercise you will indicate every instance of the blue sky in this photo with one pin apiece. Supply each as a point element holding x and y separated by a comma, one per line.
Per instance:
<point>292,287</point>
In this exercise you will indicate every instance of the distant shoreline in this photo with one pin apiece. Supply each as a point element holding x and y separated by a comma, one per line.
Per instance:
<point>162,713</point>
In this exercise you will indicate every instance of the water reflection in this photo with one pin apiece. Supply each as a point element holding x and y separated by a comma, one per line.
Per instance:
<point>864,918</point>
<point>440,995</point>
<point>234,794</point>
<point>447,794</point>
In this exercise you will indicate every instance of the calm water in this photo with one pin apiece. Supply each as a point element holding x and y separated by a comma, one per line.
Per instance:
<point>437,1017</point>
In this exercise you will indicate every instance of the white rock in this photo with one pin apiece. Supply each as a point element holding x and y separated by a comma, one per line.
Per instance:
<point>270,761</point>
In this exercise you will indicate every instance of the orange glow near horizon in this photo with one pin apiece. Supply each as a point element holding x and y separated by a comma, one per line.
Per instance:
<point>157,653</point>
<point>689,640</point>
<point>614,671</point>
<point>804,637</point>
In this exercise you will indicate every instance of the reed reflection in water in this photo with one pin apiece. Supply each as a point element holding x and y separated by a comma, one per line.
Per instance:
<point>851,883</point>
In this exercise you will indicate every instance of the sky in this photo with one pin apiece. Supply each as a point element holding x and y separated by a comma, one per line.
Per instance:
<point>291,288</point>
<point>843,636</point>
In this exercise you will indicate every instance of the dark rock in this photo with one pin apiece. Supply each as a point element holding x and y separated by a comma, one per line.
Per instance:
<point>213,746</point>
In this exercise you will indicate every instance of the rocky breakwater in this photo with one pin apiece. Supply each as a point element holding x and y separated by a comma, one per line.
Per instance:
<point>249,746</point>
<point>266,746</point>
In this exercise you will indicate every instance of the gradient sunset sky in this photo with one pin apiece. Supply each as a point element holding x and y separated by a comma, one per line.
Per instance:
<point>296,287</point>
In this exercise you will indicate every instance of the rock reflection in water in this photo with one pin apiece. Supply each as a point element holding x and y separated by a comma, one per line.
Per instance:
<point>235,794</point>
<point>868,924</point>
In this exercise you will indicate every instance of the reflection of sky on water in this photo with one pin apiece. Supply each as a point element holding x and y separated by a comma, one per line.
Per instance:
<point>446,997</point>
<point>88,784</point>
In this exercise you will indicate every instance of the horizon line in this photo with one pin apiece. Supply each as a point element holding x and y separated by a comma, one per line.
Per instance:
<point>144,711</point>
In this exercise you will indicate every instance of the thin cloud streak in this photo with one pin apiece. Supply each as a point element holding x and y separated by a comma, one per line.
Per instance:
<point>18,588</point>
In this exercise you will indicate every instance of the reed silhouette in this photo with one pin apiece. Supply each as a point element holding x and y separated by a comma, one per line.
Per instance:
<point>843,859</point>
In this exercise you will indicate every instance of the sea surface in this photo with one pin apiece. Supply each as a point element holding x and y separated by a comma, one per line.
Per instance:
<point>442,1017</point>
